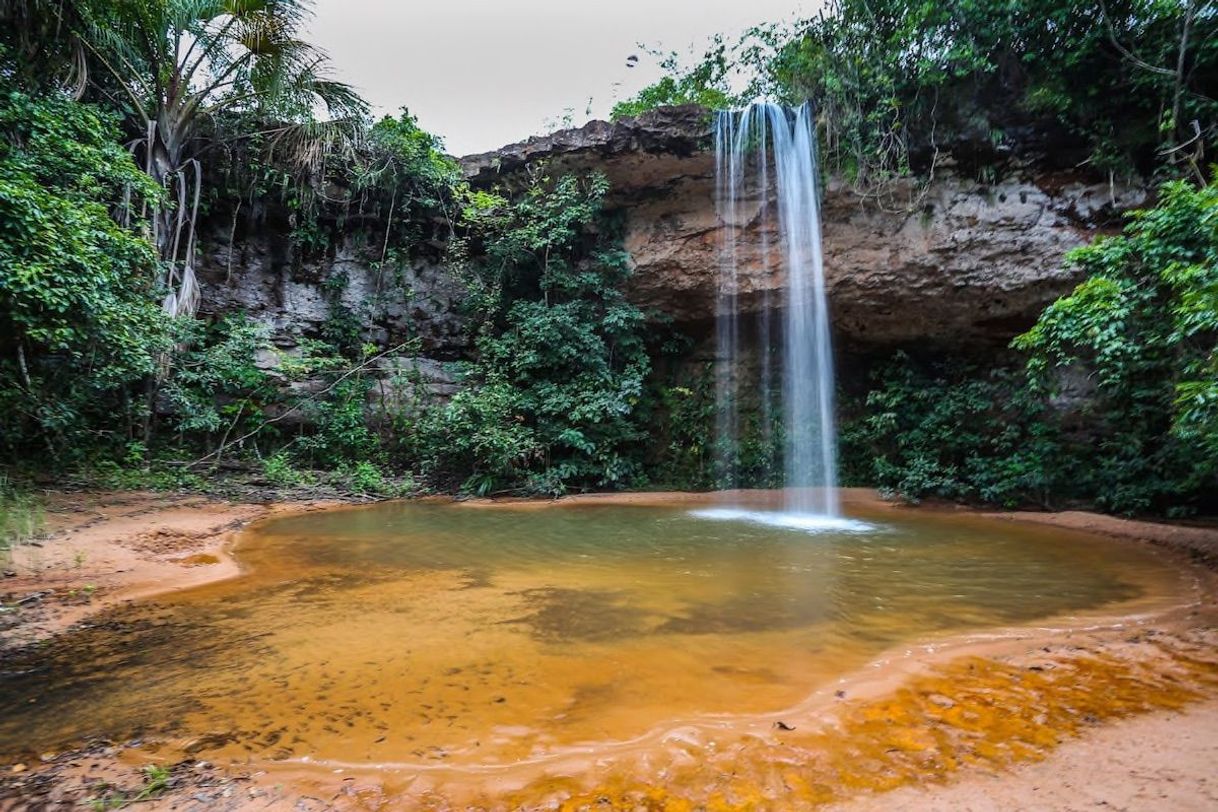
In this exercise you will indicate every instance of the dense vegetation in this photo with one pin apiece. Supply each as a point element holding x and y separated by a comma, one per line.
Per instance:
<point>1118,399</point>
<point>118,142</point>
<point>100,291</point>
<point>552,398</point>
<point>1145,326</point>
<point>1128,86</point>
<point>80,322</point>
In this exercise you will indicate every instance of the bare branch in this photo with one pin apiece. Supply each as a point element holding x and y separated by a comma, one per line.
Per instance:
<point>1125,51</point>
<point>296,407</point>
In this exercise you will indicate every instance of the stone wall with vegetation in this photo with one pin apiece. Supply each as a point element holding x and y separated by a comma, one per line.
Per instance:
<point>251,286</point>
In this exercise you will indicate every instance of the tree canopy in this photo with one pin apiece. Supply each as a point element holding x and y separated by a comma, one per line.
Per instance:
<point>1129,85</point>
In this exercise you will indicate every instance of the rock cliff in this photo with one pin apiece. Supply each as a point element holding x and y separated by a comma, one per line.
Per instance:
<point>262,278</point>
<point>947,261</point>
<point>939,260</point>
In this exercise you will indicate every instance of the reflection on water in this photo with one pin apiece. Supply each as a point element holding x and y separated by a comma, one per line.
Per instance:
<point>426,632</point>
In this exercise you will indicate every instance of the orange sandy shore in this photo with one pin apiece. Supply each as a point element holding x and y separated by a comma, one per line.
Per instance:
<point>107,548</point>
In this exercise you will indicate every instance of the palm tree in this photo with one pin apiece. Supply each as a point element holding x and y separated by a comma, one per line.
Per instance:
<point>179,64</point>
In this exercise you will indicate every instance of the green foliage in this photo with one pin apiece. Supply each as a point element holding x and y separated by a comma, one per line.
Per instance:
<point>21,516</point>
<point>1144,325</point>
<point>91,366</point>
<point>80,323</point>
<point>340,433</point>
<point>218,388</point>
<point>704,84</point>
<point>896,81</point>
<point>683,425</point>
<point>280,470</point>
<point>134,470</point>
<point>551,400</point>
<point>343,326</point>
<point>954,431</point>
<point>875,72</point>
<point>366,479</point>
<point>1141,330</point>
<point>214,384</point>
<point>183,69</point>
<point>390,175</point>
<point>156,781</point>
<point>361,478</point>
<point>412,158</point>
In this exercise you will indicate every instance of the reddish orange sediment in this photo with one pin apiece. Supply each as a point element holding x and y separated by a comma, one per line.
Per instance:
<point>972,713</point>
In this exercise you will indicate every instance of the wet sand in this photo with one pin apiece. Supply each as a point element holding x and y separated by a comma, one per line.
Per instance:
<point>1162,761</point>
<point>101,549</point>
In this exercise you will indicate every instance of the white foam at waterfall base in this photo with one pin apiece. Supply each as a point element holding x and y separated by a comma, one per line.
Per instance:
<point>807,522</point>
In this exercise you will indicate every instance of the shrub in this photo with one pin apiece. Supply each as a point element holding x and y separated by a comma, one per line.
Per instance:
<point>1145,325</point>
<point>955,431</point>
<point>551,399</point>
<point>80,323</point>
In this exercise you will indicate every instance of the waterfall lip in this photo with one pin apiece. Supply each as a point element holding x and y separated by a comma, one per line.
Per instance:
<point>764,100</point>
<point>807,522</point>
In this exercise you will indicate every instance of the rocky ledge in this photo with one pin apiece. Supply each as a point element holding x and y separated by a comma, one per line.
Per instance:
<point>937,260</point>
<point>947,261</point>
<point>636,154</point>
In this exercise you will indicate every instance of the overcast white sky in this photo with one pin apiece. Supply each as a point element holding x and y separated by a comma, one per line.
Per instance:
<point>482,74</point>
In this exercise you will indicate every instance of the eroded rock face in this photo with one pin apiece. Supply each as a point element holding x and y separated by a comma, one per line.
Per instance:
<point>965,261</point>
<point>640,156</point>
<point>289,295</point>
<point>940,261</point>
<point>949,262</point>
<point>413,307</point>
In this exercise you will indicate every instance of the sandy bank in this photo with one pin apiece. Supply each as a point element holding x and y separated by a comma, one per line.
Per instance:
<point>1163,761</point>
<point>101,549</point>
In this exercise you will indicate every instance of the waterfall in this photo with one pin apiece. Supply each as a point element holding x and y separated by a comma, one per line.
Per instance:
<point>761,152</point>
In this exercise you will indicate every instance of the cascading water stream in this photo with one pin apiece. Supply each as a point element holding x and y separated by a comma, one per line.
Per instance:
<point>766,151</point>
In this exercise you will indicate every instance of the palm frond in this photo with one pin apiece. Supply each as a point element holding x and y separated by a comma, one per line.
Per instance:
<point>192,15</point>
<point>311,145</point>
<point>184,63</point>
<point>341,99</point>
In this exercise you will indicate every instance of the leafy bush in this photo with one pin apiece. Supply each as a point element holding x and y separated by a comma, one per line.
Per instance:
<point>1145,326</point>
<point>955,431</point>
<point>279,470</point>
<point>367,479</point>
<point>683,426</point>
<point>1143,329</point>
<point>135,471</point>
<point>1129,82</point>
<point>214,386</point>
<point>407,158</point>
<point>340,433</point>
<point>80,322</point>
<point>551,399</point>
